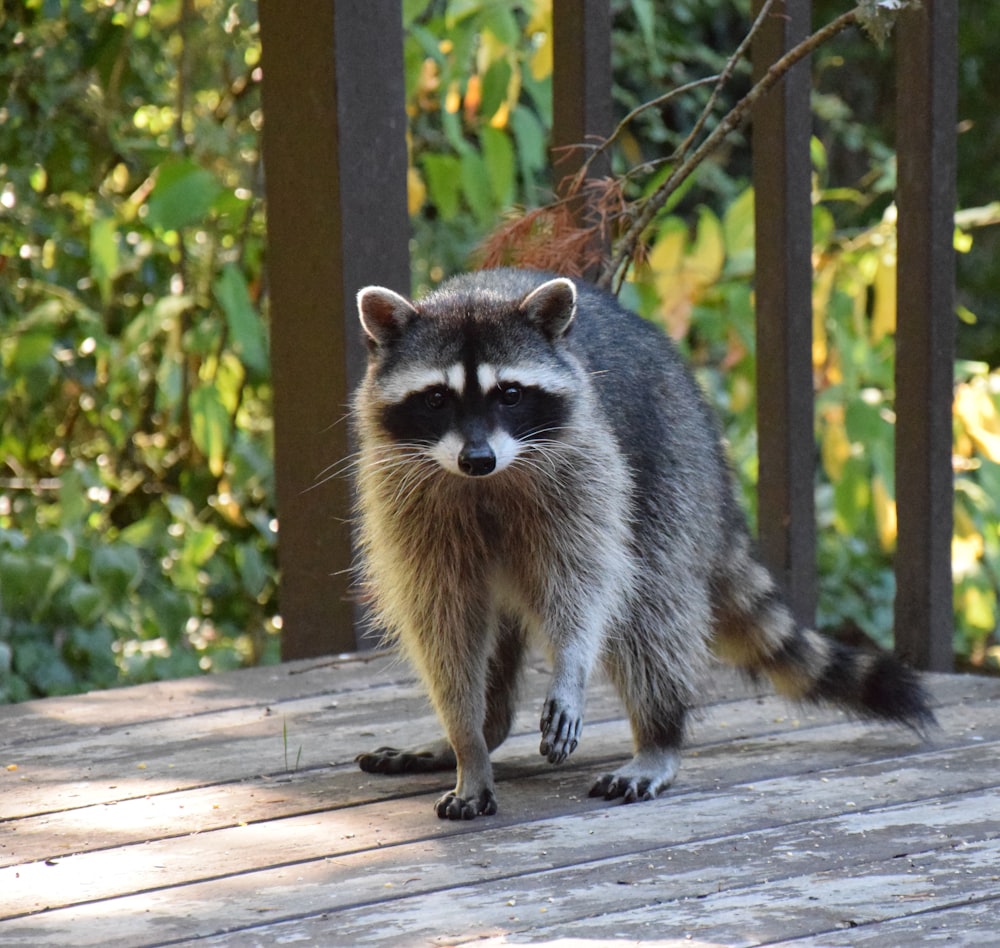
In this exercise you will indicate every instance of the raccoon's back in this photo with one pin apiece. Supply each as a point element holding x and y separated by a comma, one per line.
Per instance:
<point>659,415</point>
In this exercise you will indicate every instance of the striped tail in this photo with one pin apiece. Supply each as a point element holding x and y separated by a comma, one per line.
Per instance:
<point>755,631</point>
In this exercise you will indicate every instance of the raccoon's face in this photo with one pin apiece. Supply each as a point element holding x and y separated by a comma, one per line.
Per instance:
<point>472,383</point>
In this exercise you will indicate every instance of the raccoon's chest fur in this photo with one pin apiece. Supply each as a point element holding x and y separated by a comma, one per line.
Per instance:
<point>513,538</point>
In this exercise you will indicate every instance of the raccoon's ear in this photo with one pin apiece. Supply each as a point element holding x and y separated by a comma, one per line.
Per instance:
<point>551,306</point>
<point>384,314</point>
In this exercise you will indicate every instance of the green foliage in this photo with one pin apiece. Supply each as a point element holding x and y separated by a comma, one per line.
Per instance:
<point>137,526</point>
<point>137,529</point>
<point>479,101</point>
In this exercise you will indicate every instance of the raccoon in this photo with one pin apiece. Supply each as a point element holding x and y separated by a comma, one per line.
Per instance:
<point>537,464</point>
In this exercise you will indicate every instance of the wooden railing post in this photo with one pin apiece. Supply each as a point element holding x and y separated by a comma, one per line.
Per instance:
<point>581,88</point>
<point>782,125</point>
<point>927,77</point>
<point>335,160</point>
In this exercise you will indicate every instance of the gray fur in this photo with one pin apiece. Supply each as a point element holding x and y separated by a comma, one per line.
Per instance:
<point>614,538</point>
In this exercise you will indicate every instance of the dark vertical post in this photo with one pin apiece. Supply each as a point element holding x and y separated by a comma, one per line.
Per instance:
<point>581,87</point>
<point>783,286</point>
<point>335,161</point>
<point>927,44</point>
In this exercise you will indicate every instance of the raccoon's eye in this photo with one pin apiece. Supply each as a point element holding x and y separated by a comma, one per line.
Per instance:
<point>435,398</point>
<point>510,394</point>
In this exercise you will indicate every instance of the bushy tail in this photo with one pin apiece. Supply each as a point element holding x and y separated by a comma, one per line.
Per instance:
<point>755,631</point>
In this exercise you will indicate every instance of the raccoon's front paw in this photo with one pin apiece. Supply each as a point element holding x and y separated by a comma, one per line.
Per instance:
<point>561,726</point>
<point>453,807</point>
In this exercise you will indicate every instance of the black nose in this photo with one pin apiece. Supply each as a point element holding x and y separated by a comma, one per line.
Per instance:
<point>475,460</point>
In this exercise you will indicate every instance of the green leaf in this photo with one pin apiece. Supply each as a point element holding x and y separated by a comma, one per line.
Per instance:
<point>116,570</point>
<point>25,580</point>
<point>87,602</point>
<point>103,255</point>
<point>211,426</point>
<point>31,350</point>
<point>245,325</point>
<point>460,9</point>
<point>498,156</point>
<point>254,574</point>
<point>443,185</point>
<point>499,20</point>
<point>738,232</point>
<point>183,194</point>
<point>531,142</point>
<point>495,84</point>
<point>476,186</point>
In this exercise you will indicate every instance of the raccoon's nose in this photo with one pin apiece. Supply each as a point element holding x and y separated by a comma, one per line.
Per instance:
<point>476,460</point>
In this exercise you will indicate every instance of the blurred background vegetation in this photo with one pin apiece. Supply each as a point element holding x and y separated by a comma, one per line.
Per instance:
<point>137,521</point>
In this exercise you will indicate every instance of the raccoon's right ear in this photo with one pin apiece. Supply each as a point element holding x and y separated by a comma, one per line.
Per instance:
<point>384,314</point>
<point>551,306</point>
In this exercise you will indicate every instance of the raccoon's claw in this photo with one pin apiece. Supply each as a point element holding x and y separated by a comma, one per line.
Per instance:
<point>560,732</point>
<point>453,807</point>
<point>630,789</point>
<point>647,775</point>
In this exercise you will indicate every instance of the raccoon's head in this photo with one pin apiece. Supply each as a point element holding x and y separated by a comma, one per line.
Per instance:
<point>470,377</point>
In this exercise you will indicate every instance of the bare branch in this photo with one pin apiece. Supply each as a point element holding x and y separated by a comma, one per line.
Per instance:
<point>615,270</point>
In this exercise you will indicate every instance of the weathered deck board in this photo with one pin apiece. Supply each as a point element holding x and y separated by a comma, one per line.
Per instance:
<point>229,810</point>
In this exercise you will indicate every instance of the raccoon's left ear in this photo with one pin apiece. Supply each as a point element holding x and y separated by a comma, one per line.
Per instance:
<point>551,306</point>
<point>384,314</point>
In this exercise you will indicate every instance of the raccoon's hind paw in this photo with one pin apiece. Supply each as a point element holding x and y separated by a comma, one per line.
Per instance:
<point>453,807</point>
<point>420,760</point>
<point>560,728</point>
<point>646,776</point>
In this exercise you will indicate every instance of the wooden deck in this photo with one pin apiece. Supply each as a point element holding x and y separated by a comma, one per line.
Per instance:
<point>227,811</point>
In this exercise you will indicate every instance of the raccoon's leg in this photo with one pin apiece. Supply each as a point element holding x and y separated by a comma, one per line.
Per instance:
<point>657,710</point>
<point>562,712</point>
<point>502,677</point>
<point>654,659</point>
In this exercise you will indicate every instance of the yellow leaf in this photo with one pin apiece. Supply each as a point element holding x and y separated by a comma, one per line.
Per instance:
<point>977,607</point>
<point>884,285</point>
<point>709,252</point>
<point>835,446</point>
<point>540,62</point>
<point>885,514</point>
<point>673,283</point>
<point>680,274</point>
<point>962,241</point>
<point>540,26</point>
<point>416,190</point>
<point>501,116</point>
<point>967,545</point>
<point>822,289</point>
<point>668,251</point>
<point>453,100</point>
<point>978,414</point>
